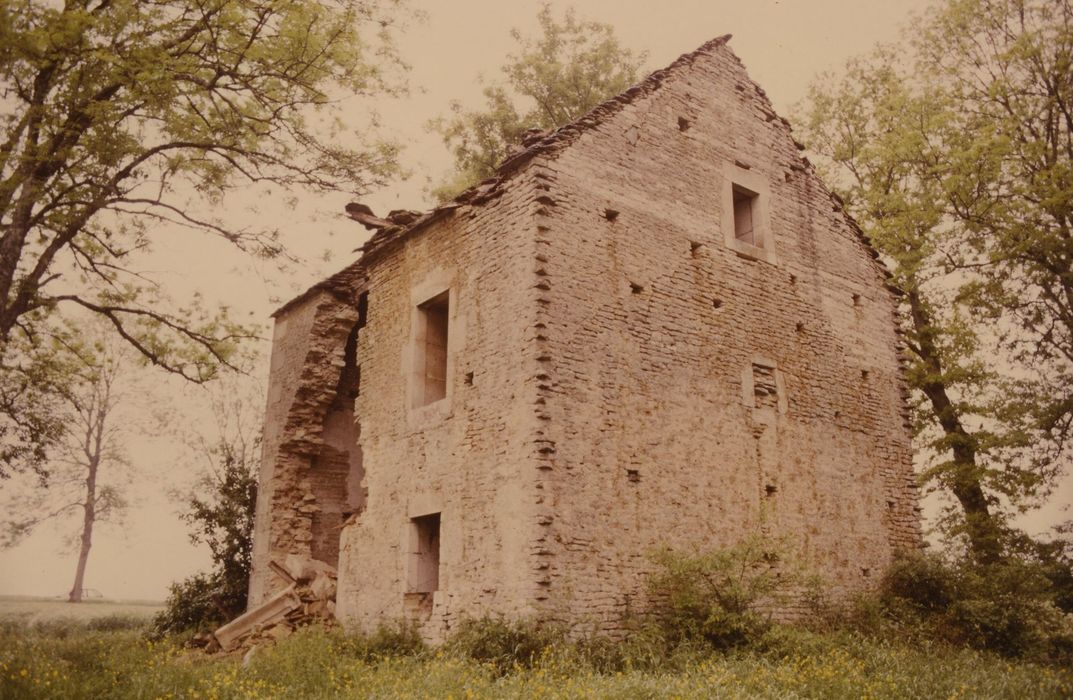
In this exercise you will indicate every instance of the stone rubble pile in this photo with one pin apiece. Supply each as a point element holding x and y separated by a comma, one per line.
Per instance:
<point>309,597</point>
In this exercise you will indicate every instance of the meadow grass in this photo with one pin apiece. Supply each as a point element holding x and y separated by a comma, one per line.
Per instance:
<point>71,660</point>
<point>34,610</point>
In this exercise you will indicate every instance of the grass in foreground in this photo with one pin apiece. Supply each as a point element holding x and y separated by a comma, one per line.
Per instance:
<point>74,661</point>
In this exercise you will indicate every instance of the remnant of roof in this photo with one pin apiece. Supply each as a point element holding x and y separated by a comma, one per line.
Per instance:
<point>343,285</point>
<point>536,142</point>
<point>364,215</point>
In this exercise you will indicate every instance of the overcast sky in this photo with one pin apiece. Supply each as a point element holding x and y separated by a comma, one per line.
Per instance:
<point>782,44</point>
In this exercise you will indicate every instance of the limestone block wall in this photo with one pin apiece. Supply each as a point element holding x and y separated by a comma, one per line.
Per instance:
<point>623,370</point>
<point>695,393</point>
<point>468,457</point>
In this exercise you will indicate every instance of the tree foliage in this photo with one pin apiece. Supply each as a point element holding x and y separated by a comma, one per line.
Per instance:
<point>1008,70</point>
<point>31,412</point>
<point>1011,606</point>
<point>570,68</point>
<point>725,597</point>
<point>954,155</point>
<point>220,512</point>
<point>121,119</point>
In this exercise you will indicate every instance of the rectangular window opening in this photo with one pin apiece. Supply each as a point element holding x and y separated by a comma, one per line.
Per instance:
<point>432,371</point>
<point>425,553</point>
<point>744,214</point>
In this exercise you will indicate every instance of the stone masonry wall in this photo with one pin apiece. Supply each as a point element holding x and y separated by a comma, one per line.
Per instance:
<point>693,395</point>
<point>469,457</point>
<point>622,374</point>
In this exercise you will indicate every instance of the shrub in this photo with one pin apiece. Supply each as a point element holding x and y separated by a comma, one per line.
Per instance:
<point>1054,558</point>
<point>925,583</point>
<point>221,511</point>
<point>505,644</point>
<point>201,602</point>
<point>726,597</point>
<point>400,639</point>
<point>1006,606</point>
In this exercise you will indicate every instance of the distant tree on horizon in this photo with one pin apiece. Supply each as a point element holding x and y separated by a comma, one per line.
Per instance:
<point>88,467</point>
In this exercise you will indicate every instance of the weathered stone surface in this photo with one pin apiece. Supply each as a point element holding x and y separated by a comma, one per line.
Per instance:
<point>623,370</point>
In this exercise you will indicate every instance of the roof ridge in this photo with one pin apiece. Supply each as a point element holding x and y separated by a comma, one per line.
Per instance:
<point>555,140</point>
<point>598,115</point>
<point>490,188</point>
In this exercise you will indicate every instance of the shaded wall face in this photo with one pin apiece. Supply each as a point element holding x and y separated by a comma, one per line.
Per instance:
<point>703,387</point>
<point>290,345</point>
<point>446,424</point>
<point>335,477</point>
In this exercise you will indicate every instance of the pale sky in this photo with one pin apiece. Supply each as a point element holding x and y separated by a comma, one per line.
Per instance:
<point>783,44</point>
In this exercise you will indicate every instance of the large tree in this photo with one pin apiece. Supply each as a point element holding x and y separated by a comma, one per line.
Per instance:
<point>1006,67</point>
<point>930,148</point>
<point>570,68</point>
<point>122,118</point>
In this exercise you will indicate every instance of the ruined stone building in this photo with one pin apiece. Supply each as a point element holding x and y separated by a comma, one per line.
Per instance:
<point>653,327</point>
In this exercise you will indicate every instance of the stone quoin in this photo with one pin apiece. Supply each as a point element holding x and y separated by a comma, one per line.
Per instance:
<point>654,327</point>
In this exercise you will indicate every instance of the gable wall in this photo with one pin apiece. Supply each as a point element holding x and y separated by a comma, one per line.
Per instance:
<point>654,443</point>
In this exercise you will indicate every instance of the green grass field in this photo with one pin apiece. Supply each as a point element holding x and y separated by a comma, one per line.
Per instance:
<point>54,655</point>
<point>31,610</point>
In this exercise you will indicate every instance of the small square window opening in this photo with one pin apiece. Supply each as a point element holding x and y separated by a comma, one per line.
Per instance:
<point>744,217</point>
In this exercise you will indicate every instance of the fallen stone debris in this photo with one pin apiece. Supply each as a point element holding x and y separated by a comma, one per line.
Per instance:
<point>308,598</point>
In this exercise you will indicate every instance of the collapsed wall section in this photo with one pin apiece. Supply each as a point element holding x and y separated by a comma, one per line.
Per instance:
<point>311,466</point>
<point>723,356</point>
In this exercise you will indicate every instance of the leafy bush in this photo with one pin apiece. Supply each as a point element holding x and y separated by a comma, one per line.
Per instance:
<point>926,583</point>
<point>1054,557</point>
<point>222,513</point>
<point>400,639</point>
<point>505,644</point>
<point>201,602</point>
<point>727,597</point>
<point>1007,606</point>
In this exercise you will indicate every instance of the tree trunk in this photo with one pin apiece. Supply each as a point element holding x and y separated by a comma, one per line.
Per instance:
<point>90,507</point>
<point>981,527</point>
